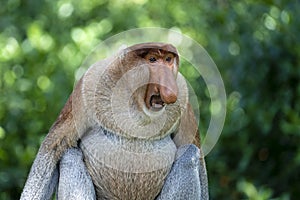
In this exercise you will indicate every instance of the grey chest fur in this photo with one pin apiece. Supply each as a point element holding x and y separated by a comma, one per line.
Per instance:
<point>127,168</point>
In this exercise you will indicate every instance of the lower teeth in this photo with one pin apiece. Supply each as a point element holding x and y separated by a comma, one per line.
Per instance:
<point>156,105</point>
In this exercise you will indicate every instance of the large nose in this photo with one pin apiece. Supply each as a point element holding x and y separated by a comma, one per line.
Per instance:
<point>162,81</point>
<point>168,89</point>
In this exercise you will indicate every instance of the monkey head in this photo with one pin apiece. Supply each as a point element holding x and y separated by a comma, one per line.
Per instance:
<point>139,89</point>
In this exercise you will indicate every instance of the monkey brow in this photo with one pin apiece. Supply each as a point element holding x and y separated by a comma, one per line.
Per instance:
<point>159,52</point>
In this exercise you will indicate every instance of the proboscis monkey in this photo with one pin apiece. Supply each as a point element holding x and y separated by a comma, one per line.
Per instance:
<point>126,132</point>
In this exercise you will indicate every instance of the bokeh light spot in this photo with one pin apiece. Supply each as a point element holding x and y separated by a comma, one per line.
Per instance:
<point>43,83</point>
<point>65,10</point>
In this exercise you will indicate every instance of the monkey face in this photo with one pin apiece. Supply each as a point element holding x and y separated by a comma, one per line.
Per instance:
<point>162,88</point>
<point>162,62</point>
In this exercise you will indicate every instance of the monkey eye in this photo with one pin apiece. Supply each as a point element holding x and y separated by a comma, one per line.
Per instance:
<point>168,59</point>
<point>152,59</point>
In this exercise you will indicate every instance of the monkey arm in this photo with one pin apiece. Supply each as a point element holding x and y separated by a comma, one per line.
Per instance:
<point>41,183</point>
<point>42,178</point>
<point>64,134</point>
<point>188,178</point>
<point>74,180</point>
<point>191,165</point>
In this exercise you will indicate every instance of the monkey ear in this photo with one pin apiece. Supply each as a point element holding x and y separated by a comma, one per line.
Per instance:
<point>187,132</point>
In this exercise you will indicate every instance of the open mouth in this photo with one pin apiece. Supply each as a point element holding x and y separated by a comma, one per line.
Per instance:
<point>156,103</point>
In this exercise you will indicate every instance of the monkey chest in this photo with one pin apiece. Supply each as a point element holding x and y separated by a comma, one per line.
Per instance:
<point>127,169</point>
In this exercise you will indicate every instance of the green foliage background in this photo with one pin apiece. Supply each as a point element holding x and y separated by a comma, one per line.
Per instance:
<point>254,44</point>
